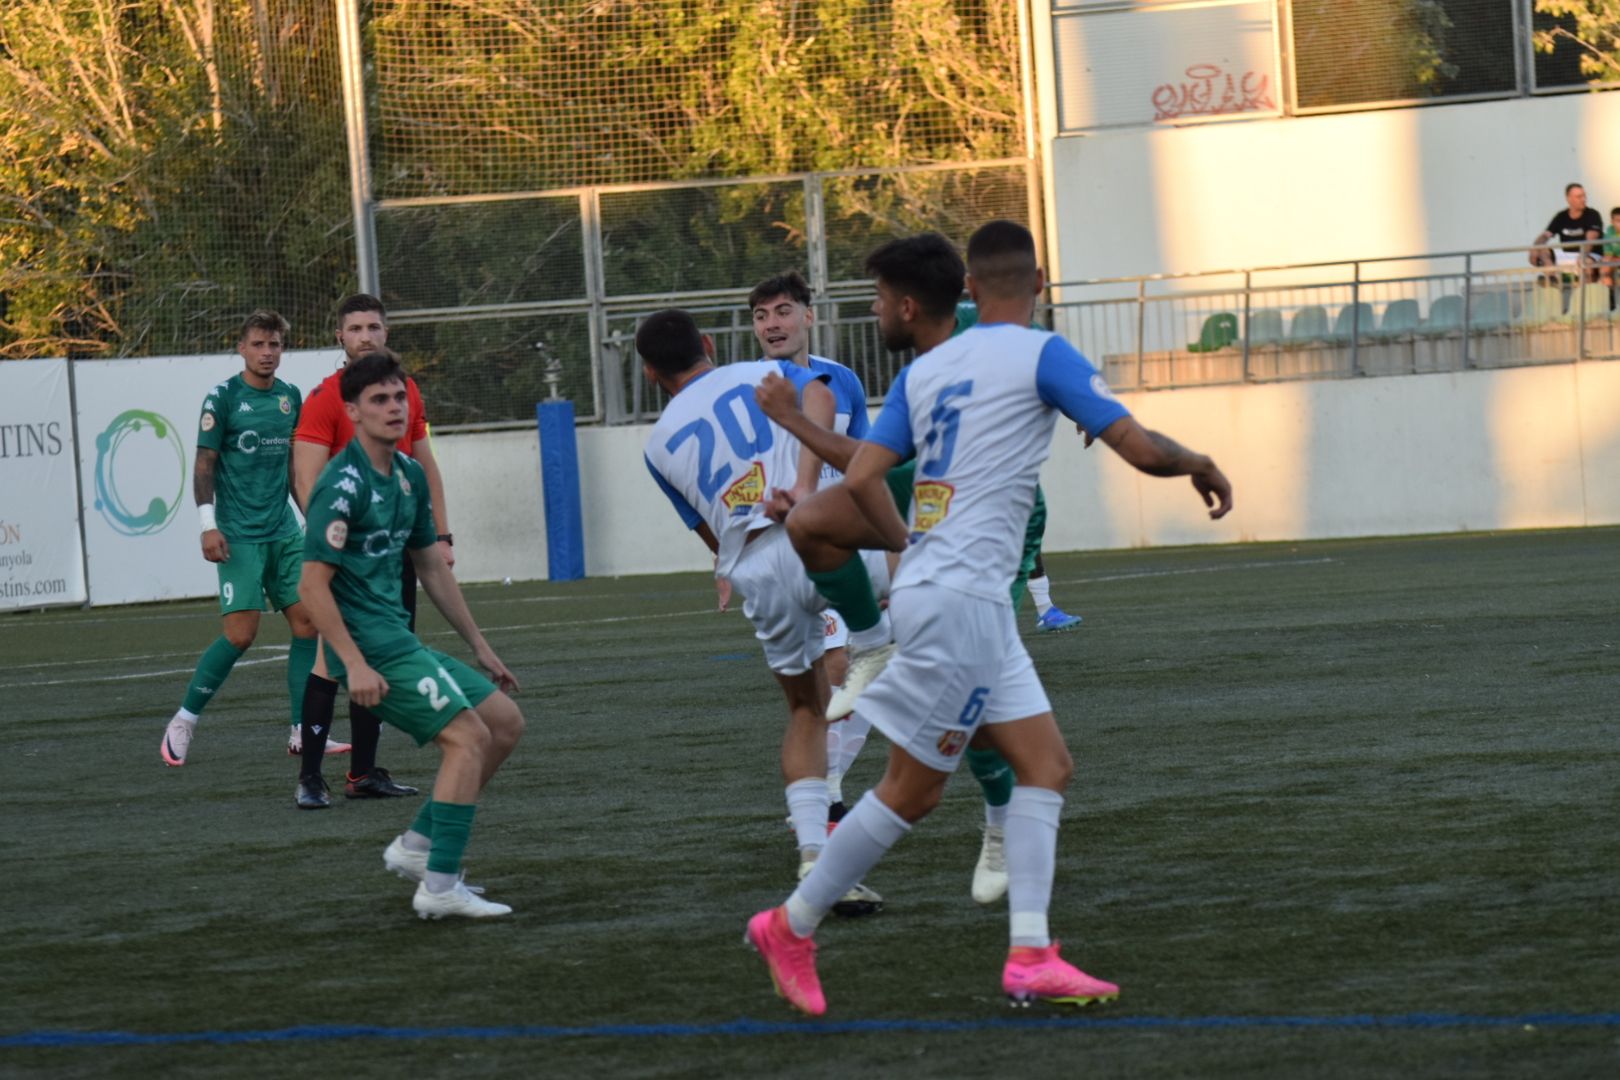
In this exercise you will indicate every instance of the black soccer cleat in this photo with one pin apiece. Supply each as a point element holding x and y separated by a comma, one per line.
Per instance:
<point>376,784</point>
<point>312,793</point>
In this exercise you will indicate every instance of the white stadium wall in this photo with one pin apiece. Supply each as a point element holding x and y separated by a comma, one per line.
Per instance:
<point>1271,192</point>
<point>1476,450</point>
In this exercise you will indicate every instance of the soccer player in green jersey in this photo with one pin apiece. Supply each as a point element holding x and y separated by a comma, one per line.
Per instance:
<point>241,480</point>
<point>369,509</point>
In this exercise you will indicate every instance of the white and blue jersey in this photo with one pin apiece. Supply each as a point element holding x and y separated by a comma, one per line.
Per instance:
<point>978,412</point>
<point>717,456</point>
<point>849,404</point>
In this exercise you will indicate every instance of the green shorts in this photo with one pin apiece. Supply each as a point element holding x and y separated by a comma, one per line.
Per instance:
<point>1034,533</point>
<point>256,572</point>
<point>426,690</point>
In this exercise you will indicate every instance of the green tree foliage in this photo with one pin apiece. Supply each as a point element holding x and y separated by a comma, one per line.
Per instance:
<point>165,167</point>
<point>1590,26</point>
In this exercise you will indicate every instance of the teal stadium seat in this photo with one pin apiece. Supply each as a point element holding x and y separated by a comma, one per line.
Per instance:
<point>1310,324</point>
<point>1265,328</point>
<point>1445,316</point>
<point>1597,303</point>
<point>1401,318</point>
<point>1492,311</point>
<point>1347,324</point>
<point>1543,304</point>
<point>1219,331</point>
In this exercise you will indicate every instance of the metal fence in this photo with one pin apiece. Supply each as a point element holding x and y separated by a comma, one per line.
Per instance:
<point>499,301</point>
<point>1394,316</point>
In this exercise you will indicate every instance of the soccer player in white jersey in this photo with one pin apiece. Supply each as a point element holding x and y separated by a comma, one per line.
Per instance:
<point>719,459</point>
<point>978,413</point>
<point>782,312</point>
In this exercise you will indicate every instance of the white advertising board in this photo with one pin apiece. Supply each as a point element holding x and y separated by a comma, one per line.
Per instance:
<point>137,431</point>
<point>41,560</point>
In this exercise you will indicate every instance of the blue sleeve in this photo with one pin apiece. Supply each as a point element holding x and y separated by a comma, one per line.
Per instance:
<point>799,377</point>
<point>689,517</point>
<point>1066,381</point>
<point>892,429</point>
<point>859,422</point>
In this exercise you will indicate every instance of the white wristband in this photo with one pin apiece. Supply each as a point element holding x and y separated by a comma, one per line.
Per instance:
<point>205,515</point>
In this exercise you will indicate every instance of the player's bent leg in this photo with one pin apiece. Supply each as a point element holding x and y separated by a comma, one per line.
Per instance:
<point>804,757</point>
<point>827,527</point>
<point>504,720</point>
<point>464,743</point>
<point>239,628</point>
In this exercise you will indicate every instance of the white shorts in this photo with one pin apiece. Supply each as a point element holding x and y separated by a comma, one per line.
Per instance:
<point>782,603</point>
<point>837,629</point>
<point>960,664</point>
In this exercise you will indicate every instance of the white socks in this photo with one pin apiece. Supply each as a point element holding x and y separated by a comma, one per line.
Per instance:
<point>1032,826</point>
<point>996,816</point>
<point>1040,590</point>
<point>844,741</point>
<point>873,637</point>
<point>855,847</point>
<point>807,806</point>
<point>411,840</point>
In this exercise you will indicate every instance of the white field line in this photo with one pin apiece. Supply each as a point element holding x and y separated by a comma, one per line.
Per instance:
<point>571,622</point>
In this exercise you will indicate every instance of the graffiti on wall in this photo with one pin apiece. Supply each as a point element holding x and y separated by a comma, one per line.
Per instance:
<point>1206,90</point>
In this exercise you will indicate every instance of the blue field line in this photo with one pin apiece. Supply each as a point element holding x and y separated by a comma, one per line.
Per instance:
<point>333,1032</point>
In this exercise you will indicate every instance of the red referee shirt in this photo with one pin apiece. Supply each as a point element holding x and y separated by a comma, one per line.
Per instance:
<point>325,422</point>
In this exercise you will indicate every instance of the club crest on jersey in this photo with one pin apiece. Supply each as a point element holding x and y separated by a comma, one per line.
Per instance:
<point>951,743</point>
<point>930,502</point>
<point>286,404</point>
<point>747,492</point>
<point>404,484</point>
<point>337,534</point>
<point>208,421</point>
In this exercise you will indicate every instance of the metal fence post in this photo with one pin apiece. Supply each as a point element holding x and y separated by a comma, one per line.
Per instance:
<point>1580,317</point>
<point>1141,323</point>
<point>590,225</point>
<point>351,64</point>
<point>1355,318</point>
<point>1248,299</point>
<point>1468,307</point>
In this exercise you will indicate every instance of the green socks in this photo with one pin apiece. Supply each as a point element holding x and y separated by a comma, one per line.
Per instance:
<point>452,824</point>
<point>212,671</point>
<point>849,590</point>
<point>994,775</point>
<point>300,662</point>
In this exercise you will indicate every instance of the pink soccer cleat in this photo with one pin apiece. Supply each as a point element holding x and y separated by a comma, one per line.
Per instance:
<point>1035,974</point>
<point>790,958</point>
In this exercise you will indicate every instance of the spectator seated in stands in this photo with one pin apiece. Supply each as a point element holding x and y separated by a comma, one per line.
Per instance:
<point>1611,249</point>
<point>1567,229</point>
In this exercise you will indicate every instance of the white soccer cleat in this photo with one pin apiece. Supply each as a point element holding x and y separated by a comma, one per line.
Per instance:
<point>295,743</point>
<point>990,875</point>
<point>408,864</point>
<point>177,740</point>
<point>858,901</point>
<point>864,666</point>
<point>458,901</point>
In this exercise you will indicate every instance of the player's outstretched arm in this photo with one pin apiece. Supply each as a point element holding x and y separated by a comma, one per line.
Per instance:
<point>867,485</point>
<point>214,546</point>
<point>435,575</point>
<point>1160,455</point>
<point>779,399</point>
<point>366,687</point>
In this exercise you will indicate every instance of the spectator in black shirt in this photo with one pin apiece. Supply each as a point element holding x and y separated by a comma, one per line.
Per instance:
<point>1567,229</point>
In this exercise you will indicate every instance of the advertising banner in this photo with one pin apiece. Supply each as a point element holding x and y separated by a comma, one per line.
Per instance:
<point>137,432</point>
<point>41,560</point>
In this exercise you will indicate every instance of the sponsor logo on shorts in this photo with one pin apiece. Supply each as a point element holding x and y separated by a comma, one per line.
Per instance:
<point>931,502</point>
<point>337,534</point>
<point>951,743</point>
<point>741,497</point>
<point>208,421</point>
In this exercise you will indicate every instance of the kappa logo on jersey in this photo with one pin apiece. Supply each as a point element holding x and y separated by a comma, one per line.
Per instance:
<point>348,485</point>
<point>341,505</point>
<point>208,420</point>
<point>932,501</point>
<point>951,743</point>
<point>286,404</point>
<point>244,407</point>
<point>337,534</point>
<point>376,497</point>
<point>748,492</point>
<point>350,470</point>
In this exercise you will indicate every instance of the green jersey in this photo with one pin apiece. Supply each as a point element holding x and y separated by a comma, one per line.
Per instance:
<point>251,429</point>
<point>1611,250</point>
<point>361,522</point>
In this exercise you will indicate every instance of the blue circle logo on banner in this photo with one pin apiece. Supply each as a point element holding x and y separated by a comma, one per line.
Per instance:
<point>140,472</point>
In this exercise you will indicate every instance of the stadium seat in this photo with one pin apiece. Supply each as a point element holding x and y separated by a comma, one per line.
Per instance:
<point>1400,319</point>
<point>1492,311</point>
<point>1310,324</point>
<point>1597,303</point>
<point>1219,331</point>
<point>1445,316</point>
<point>1265,328</point>
<point>1543,304</point>
<point>1354,320</point>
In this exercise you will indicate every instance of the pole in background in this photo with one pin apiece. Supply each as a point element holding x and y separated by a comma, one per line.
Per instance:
<point>352,65</point>
<point>559,481</point>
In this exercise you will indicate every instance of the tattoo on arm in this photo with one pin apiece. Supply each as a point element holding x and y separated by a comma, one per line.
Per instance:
<point>202,475</point>
<point>1177,458</point>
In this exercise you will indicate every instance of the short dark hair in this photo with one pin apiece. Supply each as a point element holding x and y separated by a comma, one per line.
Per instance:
<point>375,367</point>
<point>263,319</point>
<point>1572,185</point>
<point>924,267</point>
<point>360,302</point>
<point>1001,258</point>
<point>789,283</point>
<point>1615,211</point>
<point>670,341</point>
